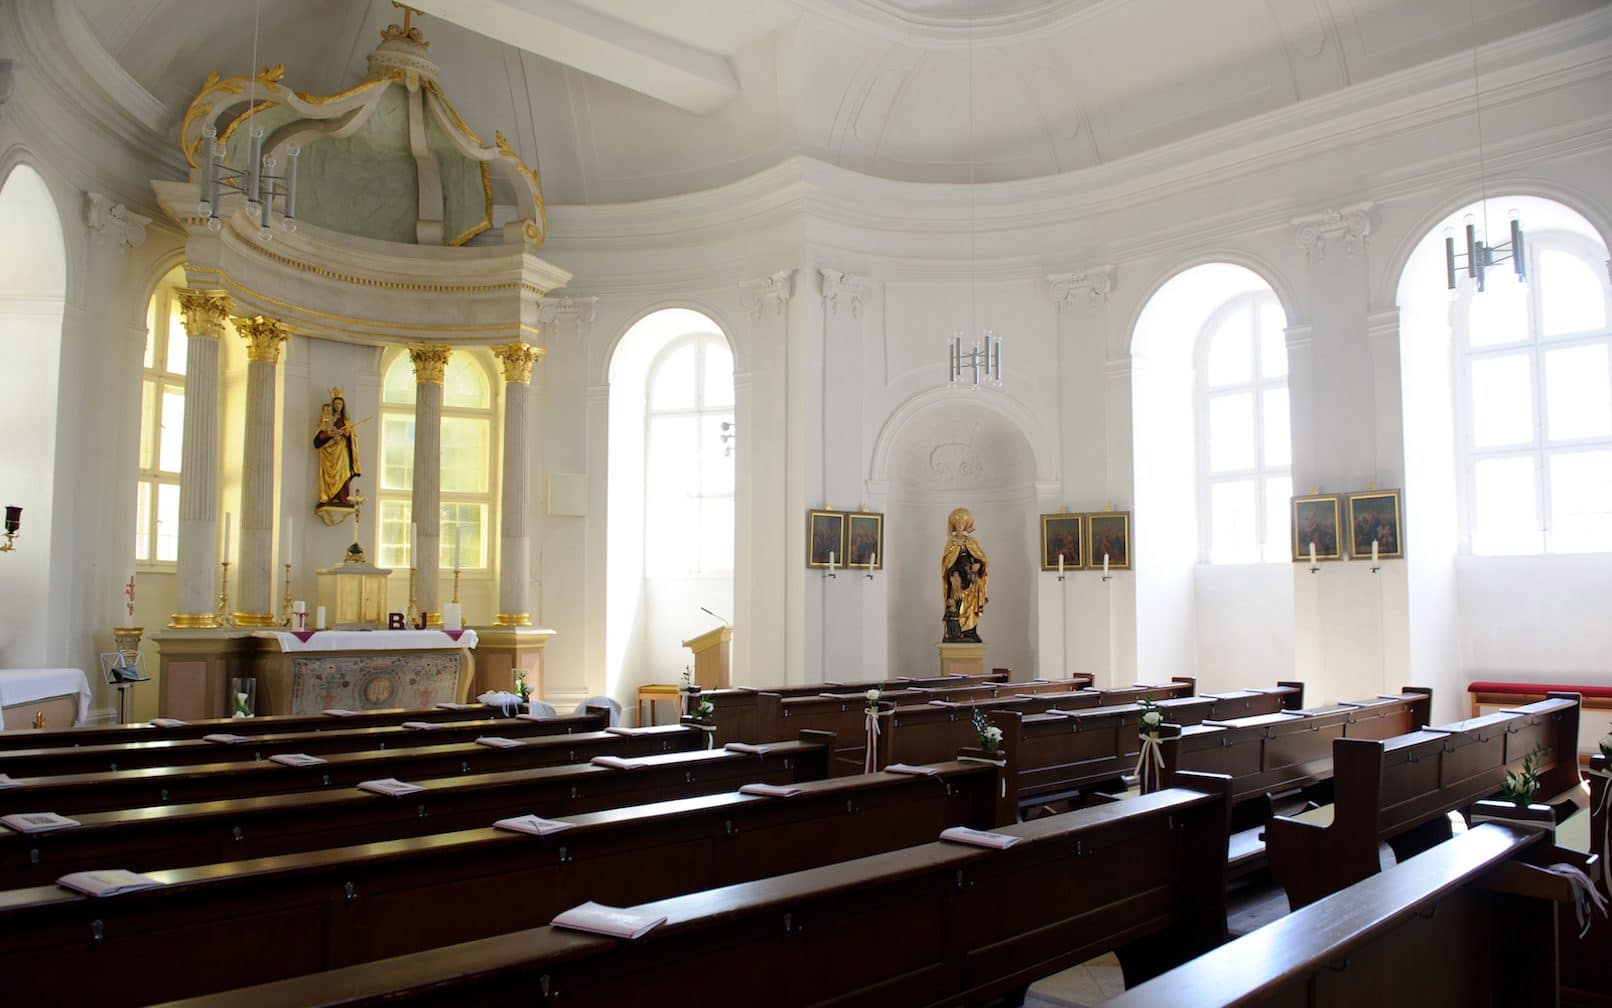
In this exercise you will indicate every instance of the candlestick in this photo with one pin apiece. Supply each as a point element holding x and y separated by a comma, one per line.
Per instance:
<point>226,537</point>
<point>831,558</point>
<point>224,616</point>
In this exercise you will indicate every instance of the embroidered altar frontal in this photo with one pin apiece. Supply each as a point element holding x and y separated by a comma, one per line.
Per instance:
<point>372,682</point>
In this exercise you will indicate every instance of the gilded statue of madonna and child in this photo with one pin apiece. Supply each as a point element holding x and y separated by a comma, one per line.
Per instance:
<point>963,577</point>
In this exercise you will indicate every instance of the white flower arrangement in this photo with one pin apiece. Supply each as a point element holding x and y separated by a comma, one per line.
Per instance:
<point>993,734</point>
<point>872,696</point>
<point>1151,718</point>
<point>990,735</point>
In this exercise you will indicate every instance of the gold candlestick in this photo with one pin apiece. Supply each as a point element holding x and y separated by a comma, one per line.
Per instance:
<point>224,616</point>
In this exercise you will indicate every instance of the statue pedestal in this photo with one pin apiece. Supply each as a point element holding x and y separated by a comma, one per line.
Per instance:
<point>961,659</point>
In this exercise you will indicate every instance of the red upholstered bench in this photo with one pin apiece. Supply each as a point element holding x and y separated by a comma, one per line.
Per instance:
<point>1595,717</point>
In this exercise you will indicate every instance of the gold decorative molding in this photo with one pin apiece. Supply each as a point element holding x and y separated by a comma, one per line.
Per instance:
<point>257,295</point>
<point>406,30</point>
<point>512,619</point>
<point>263,337</point>
<point>214,85</point>
<point>430,361</point>
<point>255,620</point>
<point>362,281</point>
<point>517,360</point>
<point>193,621</point>
<point>205,311</point>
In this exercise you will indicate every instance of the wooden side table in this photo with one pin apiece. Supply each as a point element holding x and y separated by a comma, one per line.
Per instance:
<point>653,692</point>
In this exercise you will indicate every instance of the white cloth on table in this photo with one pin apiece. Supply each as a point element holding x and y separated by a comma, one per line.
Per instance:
<point>26,686</point>
<point>369,640</point>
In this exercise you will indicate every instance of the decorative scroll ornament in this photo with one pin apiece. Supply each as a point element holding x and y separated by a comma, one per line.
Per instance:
<point>835,285</point>
<point>1351,223</point>
<point>205,312</point>
<point>430,361</point>
<point>114,219</point>
<point>1097,282</point>
<point>263,337</point>
<point>517,360</point>
<point>775,289</point>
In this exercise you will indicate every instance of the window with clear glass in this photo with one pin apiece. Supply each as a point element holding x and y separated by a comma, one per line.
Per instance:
<point>1245,450</point>
<point>688,461</point>
<point>466,475</point>
<point>162,427</point>
<point>1534,380</point>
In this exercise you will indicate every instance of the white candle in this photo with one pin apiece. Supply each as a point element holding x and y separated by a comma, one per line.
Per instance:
<point>453,616</point>
<point>414,544</point>
<point>226,537</point>
<point>1105,563</point>
<point>319,618</point>
<point>299,607</point>
<point>456,528</point>
<point>1374,551</point>
<point>873,561</point>
<point>1312,552</point>
<point>830,559</point>
<point>1060,565</point>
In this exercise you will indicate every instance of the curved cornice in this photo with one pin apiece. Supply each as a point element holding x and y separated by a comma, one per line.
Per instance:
<point>893,20</point>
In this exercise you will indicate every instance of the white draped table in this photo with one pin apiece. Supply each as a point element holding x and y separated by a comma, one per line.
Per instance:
<point>306,672</point>
<point>62,694</point>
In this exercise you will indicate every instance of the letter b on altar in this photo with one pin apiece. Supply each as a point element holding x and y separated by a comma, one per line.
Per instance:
<point>395,621</point>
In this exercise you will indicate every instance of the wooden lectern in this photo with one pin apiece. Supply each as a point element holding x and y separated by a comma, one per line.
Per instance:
<point>713,653</point>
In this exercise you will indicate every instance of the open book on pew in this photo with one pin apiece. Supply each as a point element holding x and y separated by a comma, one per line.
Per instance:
<point>617,763</point>
<point>36,822</point>
<point>340,712</point>
<point>296,759</point>
<point>535,825</point>
<point>168,722</point>
<point>748,747</point>
<point>421,725</point>
<point>225,738</point>
<point>771,790</point>
<point>917,771</point>
<point>111,882</point>
<point>615,922</point>
<point>390,786</point>
<point>979,838</point>
<point>8,781</point>
<point>499,742</point>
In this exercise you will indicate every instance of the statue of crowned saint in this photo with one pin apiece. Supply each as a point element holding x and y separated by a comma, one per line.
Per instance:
<point>337,443</point>
<point>963,576</point>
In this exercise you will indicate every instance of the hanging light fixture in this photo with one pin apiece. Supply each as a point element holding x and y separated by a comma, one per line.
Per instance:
<point>983,360</point>
<point>1480,256</point>
<point>257,181</point>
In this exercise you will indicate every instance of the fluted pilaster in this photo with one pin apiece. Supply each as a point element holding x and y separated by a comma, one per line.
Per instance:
<point>514,566</point>
<point>255,583</point>
<point>206,313</point>
<point>430,362</point>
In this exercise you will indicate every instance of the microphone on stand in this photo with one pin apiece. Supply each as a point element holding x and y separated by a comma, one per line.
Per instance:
<point>715,616</point>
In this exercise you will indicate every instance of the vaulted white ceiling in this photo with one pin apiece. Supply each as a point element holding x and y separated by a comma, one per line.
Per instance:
<point>619,100</point>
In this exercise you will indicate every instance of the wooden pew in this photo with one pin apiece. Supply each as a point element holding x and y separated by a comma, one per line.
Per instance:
<point>1398,790</point>
<point>182,752</point>
<point>93,735</point>
<point>356,904</point>
<point>1468,923</point>
<point>1584,961</point>
<point>284,824</point>
<point>104,792</point>
<point>935,924</point>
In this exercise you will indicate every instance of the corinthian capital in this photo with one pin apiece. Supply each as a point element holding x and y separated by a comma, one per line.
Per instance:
<point>263,337</point>
<point>430,361</point>
<point>517,360</point>
<point>775,289</point>
<point>837,286</point>
<point>1097,282</point>
<point>205,311</point>
<point>1350,223</point>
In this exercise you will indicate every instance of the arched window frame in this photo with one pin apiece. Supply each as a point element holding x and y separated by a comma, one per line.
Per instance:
<point>1540,448</point>
<point>395,504</point>
<point>701,411</point>
<point>158,481</point>
<point>1271,480</point>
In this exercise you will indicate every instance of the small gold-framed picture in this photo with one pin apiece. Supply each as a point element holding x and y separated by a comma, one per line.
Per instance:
<point>825,539</point>
<point>1108,534</point>
<point>1316,519</point>
<point>1062,539</point>
<point>864,532</point>
<point>1374,516</point>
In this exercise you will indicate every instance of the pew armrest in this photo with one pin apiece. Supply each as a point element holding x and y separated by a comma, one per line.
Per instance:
<point>1518,878</point>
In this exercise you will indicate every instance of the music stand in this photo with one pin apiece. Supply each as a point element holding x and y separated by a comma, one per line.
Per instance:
<point>122,670</point>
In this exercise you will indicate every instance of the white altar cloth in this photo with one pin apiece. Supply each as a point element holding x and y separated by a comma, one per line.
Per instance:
<point>369,640</point>
<point>26,686</point>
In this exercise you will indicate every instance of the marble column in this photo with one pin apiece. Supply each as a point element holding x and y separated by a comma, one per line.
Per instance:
<point>206,312</point>
<point>430,361</point>
<point>255,580</point>
<point>515,543</point>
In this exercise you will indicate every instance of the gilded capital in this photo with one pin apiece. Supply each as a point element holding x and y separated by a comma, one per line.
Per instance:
<point>430,361</point>
<point>205,311</point>
<point>517,360</point>
<point>263,337</point>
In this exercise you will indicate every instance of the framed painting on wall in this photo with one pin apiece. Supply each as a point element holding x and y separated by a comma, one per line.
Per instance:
<point>864,533</point>
<point>1374,517</point>
<point>1108,533</point>
<point>1316,519</point>
<point>1062,536</point>
<point>825,539</point>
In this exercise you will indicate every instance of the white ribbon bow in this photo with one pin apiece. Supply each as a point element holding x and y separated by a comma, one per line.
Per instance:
<point>870,762</point>
<point>1586,898</point>
<point>1152,753</point>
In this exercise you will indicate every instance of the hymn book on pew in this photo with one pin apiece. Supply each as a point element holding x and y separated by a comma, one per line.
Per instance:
<point>534,825</point>
<point>771,790</point>
<point>979,838</point>
<point>421,725</point>
<point>916,771</point>
<point>449,705</point>
<point>225,738</point>
<point>112,882</point>
<point>296,759</point>
<point>36,822</point>
<point>620,730</point>
<point>613,922</point>
<point>390,786</point>
<point>499,742</point>
<point>748,747</point>
<point>168,722</point>
<point>340,712</point>
<point>617,763</point>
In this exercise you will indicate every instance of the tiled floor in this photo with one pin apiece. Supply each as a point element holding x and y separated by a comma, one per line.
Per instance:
<point>1090,983</point>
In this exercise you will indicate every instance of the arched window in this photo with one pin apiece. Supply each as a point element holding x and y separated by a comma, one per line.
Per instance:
<point>1245,450</point>
<point>688,459</point>
<point>1534,392</point>
<point>467,472</point>
<point>162,423</point>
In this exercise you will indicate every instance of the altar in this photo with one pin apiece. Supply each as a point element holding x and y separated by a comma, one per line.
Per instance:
<point>61,695</point>
<point>306,672</point>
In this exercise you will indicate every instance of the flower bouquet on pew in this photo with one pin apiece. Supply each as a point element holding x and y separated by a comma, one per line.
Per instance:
<point>1521,785</point>
<point>1150,761</point>
<point>990,735</point>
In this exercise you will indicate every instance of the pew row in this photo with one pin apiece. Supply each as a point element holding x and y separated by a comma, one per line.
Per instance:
<point>930,925</point>
<point>290,823</point>
<point>182,752</point>
<point>736,719</point>
<point>1469,922</point>
<point>1399,790</point>
<point>332,908</point>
